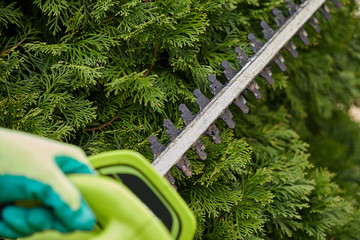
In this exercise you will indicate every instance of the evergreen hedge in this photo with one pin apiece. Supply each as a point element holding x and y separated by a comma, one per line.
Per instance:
<point>104,75</point>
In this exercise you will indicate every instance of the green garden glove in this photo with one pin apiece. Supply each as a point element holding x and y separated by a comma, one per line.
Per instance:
<point>34,168</point>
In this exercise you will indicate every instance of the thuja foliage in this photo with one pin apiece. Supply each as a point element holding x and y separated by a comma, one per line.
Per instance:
<point>105,74</point>
<point>321,109</point>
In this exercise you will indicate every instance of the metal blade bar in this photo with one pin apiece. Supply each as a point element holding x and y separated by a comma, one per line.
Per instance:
<point>197,127</point>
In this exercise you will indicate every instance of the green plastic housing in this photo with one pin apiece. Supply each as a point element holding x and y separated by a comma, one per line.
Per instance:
<point>131,202</point>
<point>153,190</point>
<point>120,214</point>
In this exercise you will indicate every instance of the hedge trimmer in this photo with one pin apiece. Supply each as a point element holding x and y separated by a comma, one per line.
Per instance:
<point>239,83</point>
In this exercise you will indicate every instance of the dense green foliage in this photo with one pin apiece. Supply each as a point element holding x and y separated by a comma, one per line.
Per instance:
<point>105,74</point>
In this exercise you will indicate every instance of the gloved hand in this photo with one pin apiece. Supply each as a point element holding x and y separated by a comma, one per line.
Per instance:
<point>34,168</point>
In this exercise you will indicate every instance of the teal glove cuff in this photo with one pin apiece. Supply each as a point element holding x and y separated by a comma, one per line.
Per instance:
<point>34,168</point>
<point>55,214</point>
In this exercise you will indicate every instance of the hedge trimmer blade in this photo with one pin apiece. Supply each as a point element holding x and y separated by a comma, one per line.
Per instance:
<point>234,91</point>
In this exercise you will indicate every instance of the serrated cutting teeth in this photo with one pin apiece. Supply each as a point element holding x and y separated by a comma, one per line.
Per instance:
<point>241,103</point>
<point>171,179</point>
<point>216,86</point>
<point>302,34</point>
<point>266,74</point>
<point>292,7</point>
<point>337,3</point>
<point>279,61</point>
<point>233,92</point>
<point>315,24</point>
<point>230,73</point>
<point>313,21</point>
<point>269,32</point>
<point>227,118</point>
<point>280,20</point>
<point>254,88</point>
<point>214,133</point>
<point>291,47</point>
<point>243,58</point>
<point>172,132</point>
<point>183,164</point>
<point>279,17</point>
<point>188,116</point>
<point>156,148</point>
<point>326,12</point>
<point>202,101</point>
<point>256,45</point>
<point>199,149</point>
